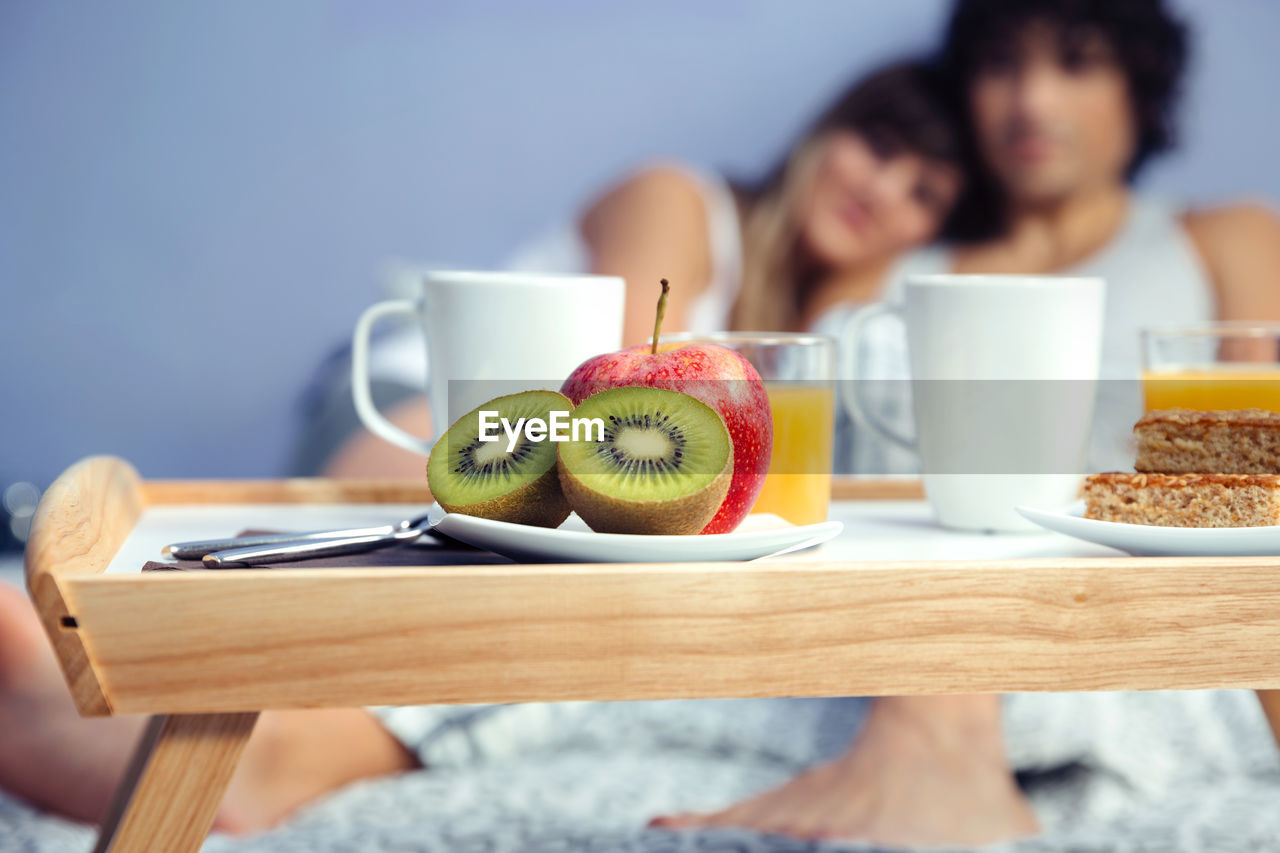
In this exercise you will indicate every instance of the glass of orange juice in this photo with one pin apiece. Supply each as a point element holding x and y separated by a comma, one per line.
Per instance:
<point>799,375</point>
<point>1212,366</point>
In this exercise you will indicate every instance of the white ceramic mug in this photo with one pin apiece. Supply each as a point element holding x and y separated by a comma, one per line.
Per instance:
<point>497,332</point>
<point>1004,372</point>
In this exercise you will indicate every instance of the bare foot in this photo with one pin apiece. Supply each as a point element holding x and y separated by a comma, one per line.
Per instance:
<point>59,761</point>
<point>899,784</point>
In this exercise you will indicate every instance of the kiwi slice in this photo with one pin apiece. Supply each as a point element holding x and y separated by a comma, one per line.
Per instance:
<point>664,465</point>
<point>485,479</point>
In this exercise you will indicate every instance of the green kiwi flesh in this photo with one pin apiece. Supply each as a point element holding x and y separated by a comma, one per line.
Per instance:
<point>483,479</point>
<point>664,466</point>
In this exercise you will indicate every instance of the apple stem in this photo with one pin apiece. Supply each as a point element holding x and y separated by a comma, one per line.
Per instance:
<point>662,309</point>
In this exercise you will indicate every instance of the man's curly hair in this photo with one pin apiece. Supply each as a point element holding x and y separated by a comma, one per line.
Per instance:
<point>1150,44</point>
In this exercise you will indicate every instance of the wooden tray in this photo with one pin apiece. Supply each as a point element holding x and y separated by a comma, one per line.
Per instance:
<point>202,646</point>
<point>255,639</point>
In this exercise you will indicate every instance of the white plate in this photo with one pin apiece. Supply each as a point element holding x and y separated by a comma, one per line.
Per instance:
<point>573,542</point>
<point>1145,540</point>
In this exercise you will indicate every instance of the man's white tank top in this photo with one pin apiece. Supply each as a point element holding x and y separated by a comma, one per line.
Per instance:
<point>1154,276</point>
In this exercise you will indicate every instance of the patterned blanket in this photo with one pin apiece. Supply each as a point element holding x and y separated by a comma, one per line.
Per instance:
<point>1157,771</point>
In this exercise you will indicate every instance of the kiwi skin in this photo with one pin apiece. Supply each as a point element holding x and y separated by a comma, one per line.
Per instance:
<point>539,503</point>
<point>686,515</point>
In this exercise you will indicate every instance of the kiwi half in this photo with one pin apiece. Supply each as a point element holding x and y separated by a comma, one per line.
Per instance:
<point>664,465</point>
<point>482,478</point>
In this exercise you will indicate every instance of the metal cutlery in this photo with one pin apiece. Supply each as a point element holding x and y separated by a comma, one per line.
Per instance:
<point>281,547</point>
<point>196,549</point>
<point>306,549</point>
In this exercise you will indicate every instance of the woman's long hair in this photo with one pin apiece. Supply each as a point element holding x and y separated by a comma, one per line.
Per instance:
<point>899,108</point>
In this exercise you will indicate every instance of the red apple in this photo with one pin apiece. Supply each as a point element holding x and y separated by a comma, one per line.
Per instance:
<point>717,376</point>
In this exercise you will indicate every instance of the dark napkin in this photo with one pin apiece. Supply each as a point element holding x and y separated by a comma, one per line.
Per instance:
<point>424,552</point>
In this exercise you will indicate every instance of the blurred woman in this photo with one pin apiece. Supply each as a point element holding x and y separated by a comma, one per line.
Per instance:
<point>876,175</point>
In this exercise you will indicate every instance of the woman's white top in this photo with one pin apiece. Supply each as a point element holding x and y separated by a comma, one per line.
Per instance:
<point>396,352</point>
<point>563,249</point>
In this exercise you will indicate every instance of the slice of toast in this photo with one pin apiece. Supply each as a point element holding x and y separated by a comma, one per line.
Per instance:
<point>1180,441</point>
<point>1184,500</point>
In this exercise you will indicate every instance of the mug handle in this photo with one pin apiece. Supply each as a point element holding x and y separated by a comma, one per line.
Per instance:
<point>369,414</point>
<point>851,391</point>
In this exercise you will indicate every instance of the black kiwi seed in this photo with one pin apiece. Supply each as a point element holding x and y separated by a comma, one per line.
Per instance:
<point>673,432</point>
<point>507,463</point>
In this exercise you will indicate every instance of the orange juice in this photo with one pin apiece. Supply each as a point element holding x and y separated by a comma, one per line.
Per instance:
<point>798,486</point>
<point>1240,385</point>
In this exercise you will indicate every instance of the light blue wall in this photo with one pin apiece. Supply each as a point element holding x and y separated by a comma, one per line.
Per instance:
<point>196,198</point>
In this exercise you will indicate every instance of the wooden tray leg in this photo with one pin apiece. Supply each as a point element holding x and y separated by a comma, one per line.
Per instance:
<point>1270,700</point>
<point>171,791</point>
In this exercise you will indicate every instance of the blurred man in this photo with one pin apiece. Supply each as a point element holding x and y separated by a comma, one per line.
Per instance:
<point>1067,102</point>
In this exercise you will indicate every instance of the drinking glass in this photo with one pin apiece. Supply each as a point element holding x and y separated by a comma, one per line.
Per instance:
<point>799,376</point>
<point>1212,366</point>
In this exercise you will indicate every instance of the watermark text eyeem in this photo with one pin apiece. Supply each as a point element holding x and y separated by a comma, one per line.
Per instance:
<point>560,427</point>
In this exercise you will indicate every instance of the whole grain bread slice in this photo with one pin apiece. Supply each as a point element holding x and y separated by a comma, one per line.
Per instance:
<point>1182,441</point>
<point>1184,500</point>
